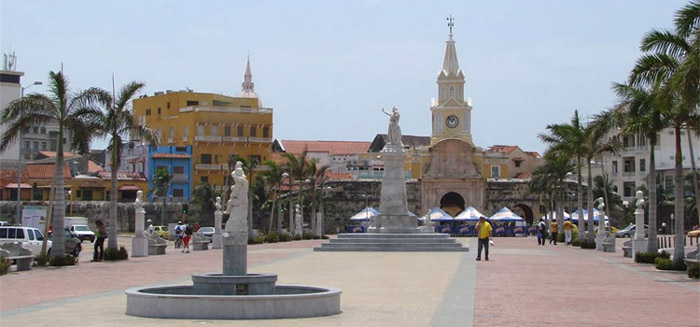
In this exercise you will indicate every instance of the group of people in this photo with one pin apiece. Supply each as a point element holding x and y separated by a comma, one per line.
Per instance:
<point>183,234</point>
<point>554,231</point>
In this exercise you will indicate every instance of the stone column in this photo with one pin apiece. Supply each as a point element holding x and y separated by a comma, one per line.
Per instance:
<point>218,217</point>
<point>235,253</point>
<point>393,206</point>
<point>139,243</point>
<point>639,244</point>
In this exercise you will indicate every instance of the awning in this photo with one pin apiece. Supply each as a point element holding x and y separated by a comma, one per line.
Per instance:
<point>14,185</point>
<point>129,188</point>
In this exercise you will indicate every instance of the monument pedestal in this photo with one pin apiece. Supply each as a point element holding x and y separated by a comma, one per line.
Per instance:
<point>218,216</point>
<point>235,254</point>
<point>638,245</point>
<point>139,246</point>
<point>216,241</point>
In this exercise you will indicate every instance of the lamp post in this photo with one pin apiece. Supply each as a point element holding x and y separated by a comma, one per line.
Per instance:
<point>19,163</point>
<point>285,177</point>
<point>673,227</point>
<point>70,196</point>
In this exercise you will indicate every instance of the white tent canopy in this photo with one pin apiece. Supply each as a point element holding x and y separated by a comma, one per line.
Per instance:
<point>469,214</point>
<point>506,215</point>
<point>437,214</point>
<point>365,214</point>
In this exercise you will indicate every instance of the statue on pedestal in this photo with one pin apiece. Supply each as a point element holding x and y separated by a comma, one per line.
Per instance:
<point>237,206</point>
<point>298,229</point>
<point>139,214</point>
<point>394,133</point>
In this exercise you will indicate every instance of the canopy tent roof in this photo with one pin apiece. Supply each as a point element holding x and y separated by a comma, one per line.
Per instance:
<point>365,214</point>
<point>437,214</point>
<point>505,215</point>
<point>469,214</point>
<point>596,215</point>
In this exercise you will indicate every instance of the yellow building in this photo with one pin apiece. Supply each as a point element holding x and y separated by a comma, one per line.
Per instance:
<point>217,127</point>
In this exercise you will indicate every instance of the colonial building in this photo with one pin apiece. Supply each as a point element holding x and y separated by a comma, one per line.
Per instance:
<point>216,128</point>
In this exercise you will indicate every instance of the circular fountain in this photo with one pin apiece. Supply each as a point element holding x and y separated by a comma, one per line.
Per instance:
<point>234,294</point>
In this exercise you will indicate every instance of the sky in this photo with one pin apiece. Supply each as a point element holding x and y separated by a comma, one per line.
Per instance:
<point>327,68</point>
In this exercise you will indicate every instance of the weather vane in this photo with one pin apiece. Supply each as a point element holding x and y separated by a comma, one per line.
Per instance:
<point>450,23</point>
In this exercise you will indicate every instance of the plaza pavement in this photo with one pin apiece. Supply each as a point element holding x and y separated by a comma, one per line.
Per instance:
<point>523,285</point>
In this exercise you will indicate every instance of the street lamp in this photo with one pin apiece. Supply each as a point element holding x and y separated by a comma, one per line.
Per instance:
<point>285,177</point>
<point>70,196</point>
<point>672,224</point>
<point>19,163</point>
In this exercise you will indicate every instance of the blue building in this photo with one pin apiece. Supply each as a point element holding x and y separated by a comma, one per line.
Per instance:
<point>178,161</point>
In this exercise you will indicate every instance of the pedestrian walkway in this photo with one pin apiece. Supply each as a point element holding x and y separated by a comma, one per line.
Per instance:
<point>523,285</point>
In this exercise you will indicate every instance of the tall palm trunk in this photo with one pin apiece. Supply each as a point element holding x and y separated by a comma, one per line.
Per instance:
<point>696,184</point>
<point>605,191</point>
<point>579,200</point>
<point>679,247</point>
<point>164,210</point>
<point>589,194</point>
<point>112,233</point>
<point>272,212</point>
<point>652,245</point>
<point>59,206</point>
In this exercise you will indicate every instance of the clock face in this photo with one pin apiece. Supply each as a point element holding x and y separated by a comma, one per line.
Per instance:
<point>452,121</point>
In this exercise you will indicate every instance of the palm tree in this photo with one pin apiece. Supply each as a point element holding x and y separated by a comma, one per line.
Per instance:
<point>65,109</point>
<point>318,176</point>
<point>159,187</point>
<point>297,167</point>
<point>116,123</point>
<point>672,59</point>
<point>548,181</point>
<point>273,179</point>
<point>638,112</point>
<point>569,140</point>
<point>202,205</point>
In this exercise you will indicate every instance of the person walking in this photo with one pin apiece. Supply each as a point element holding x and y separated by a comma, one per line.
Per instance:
<point>100,236</point>
<point>149,229</point>
<point>553,231</point>
<point>186,238</point>
<point>541,232</point>
<point>483,230</point>
<point>179,232</point>
<point>568,226</point>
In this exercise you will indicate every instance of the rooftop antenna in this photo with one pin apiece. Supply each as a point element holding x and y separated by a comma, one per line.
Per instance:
<point>450,23</point>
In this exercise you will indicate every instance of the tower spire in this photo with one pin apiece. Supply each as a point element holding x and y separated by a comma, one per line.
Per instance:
<point>450,66</point>
<point>248,90</point>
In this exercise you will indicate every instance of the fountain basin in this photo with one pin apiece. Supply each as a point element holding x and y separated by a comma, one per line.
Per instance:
<point>181,302</point>
<point>219,284</point>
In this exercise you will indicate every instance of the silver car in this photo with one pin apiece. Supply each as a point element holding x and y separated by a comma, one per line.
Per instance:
<point>630,230</point>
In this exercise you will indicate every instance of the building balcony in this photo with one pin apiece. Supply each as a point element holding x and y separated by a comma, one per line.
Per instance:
<point>643,149</point>
<point>207,138</point>
<point>226,109</point>
<point>260,139</point>
<point>235,139</point>
<point>208,166</point>
<point>180,178</point>
<point>629,174</point>
<point>170,140</point>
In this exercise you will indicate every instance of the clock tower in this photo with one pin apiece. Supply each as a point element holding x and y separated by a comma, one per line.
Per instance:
<point>451,114</point>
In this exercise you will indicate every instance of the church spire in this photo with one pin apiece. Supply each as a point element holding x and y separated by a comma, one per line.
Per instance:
<point>248,90</point>
<point>450,66</point>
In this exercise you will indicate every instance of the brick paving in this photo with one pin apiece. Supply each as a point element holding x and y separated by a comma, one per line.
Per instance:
<point>523,285</point>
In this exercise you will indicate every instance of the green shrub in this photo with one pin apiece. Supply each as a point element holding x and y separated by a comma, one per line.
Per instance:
<point>256,240</point>
<point>308,235</point>
<point>285,237</point>
<point>668,264</point>
<point>587,244</point>
<point>650,257</point>
<point>42,260</point>
<point>115,255</point>
<point>4,265</point>
<point>316,237</point>
<point>297,237</point>
<point>694,270</point>
<point>272,237</point>
<point>67,260</point>
<point>575,241</point>
<point>324,237</point>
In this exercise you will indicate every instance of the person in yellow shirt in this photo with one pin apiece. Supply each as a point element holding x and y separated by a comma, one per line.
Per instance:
<point>553,231</point>
<point>568,226</point>
<point>483,230</point>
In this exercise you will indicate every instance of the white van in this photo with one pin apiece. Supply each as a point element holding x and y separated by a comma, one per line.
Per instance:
<point>31,238</point>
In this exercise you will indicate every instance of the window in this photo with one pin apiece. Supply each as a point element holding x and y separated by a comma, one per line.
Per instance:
<point>43,146</point>
<point>20,233</point>
<point>87,195</point>
<point>159,110</point>
<point>3,232</point>
<point>253,131</point>
<point>452,91</point>
<point>204,179</point>
<point>214,131</point>
<point>442,93</point>
<point>200,130</point>
<point>217,103</point>
<point>459,93</point>
<point>172,132</point>
<point>614,167</point>
<point>36,145</point>
<point>628,189</point>
<point>668,183</point>
<point>227,130</point>
<point>186,132</point>
<point>628,141</point>
<point>178,170</point>
<point>167,105</point>
<point>30,234</point>
<point>148,112</point>
<point>27,144</point>
<point>629,165</point>
<point>178,192</point>
<point>36,129</point>
<point>254,158</point>
<point>79,194</point>
<point>240,130</point>
<point>39,235</point>
<point>180,149</point>
<point>205,158</point>
<point>614,188</point>
<point>43,130</point>
<point>642,165</point>
<point>266,132</point>
<point>495,171</point>
<point>517,163</point>
<point>192,103</point>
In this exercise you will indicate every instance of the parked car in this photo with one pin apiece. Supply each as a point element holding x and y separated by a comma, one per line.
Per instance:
<point>208,232</point>
<point>30,237</point>
<point>72,244</point>
<point>161,231</point>
<point>83,232</point>
<point>630,230</point>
